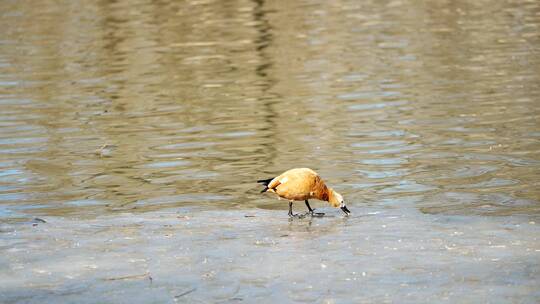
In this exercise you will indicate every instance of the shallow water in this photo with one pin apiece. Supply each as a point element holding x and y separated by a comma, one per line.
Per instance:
<point>136,131</point>
<point>392,255</point>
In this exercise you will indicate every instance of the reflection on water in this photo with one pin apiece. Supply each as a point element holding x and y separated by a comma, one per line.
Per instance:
<point>109,107</point>
<point>114,106</point>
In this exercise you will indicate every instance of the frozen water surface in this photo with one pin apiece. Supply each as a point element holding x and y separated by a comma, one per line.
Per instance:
<point>195,256</point>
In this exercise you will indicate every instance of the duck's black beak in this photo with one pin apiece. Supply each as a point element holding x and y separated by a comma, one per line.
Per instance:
<point>344,209</point>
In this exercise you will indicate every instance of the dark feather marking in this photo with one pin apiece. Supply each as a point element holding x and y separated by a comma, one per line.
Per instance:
<point>265,182</point>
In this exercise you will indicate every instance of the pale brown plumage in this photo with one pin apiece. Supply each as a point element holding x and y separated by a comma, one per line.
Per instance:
<point>302,184</point>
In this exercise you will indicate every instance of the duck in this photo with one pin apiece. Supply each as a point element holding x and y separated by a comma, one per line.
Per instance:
<point>303,184</point>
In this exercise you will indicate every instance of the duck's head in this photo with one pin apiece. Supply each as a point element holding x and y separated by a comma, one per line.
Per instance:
<point>336,200</point>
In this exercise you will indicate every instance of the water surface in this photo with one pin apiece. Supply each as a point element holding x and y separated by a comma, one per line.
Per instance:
<point>126,116</point>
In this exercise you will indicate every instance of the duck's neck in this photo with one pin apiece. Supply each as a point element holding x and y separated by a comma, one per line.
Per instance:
<point>326,194</point>
<point>332,198</point>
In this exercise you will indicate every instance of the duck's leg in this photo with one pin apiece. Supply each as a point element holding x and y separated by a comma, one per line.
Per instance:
<point>309,207</point>
<point>311,211</point>
<point>290,209</point>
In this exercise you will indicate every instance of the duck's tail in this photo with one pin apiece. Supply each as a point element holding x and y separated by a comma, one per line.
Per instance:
<point>265,183</point>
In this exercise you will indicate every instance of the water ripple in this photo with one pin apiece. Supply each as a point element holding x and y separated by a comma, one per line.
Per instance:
<point>203,101</point>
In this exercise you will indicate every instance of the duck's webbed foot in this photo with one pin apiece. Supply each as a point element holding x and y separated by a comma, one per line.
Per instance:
<point>295,215</point>
<point>316,214</point>
<point>312,211</point>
